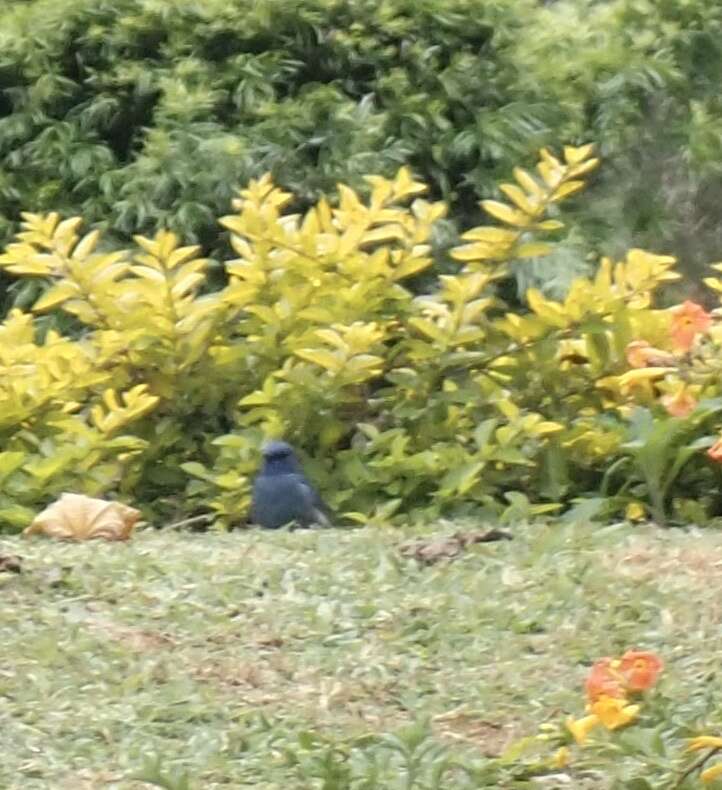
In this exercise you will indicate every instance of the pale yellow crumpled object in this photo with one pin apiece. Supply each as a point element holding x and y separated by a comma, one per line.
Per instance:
<point>80,517</point>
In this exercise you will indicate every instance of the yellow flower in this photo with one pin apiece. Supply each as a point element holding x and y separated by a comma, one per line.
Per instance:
<point>560,758</point>
<point>710,774</point>
<point>634,511</point>
<point>614,712</point>
<point>704,742</point>
<point>641,376</point>
<point>580,728</point>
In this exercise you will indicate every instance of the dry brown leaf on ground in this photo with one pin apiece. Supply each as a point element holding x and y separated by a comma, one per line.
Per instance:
<point>447,548</point>
<point>79,517</point>
<point>10,564</point>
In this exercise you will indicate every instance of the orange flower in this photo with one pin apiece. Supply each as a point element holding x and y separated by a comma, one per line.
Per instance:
<point>640,354</point>
<point>605,680</point>
<point>680,403</point>
<point>715,451</point>
<point>640,669</point>
<point>688,320</point>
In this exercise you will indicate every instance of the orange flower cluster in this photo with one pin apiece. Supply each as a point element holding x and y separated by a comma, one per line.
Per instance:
<point>636,670</point>
<point>679,403</point>
<point>641,354</point>
<point>608,686</point>
<point>688,320</point>
<point>715,451</point>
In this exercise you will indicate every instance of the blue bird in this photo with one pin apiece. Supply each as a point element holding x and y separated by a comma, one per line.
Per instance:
<point>282,494</point>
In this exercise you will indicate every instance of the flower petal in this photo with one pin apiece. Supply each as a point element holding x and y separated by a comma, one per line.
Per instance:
<point>712,773</point>
<point>704,742</point>
<point>580,728</point>
<point>614,712</point>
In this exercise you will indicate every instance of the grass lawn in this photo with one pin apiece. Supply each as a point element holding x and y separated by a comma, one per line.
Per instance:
<point>325,659</point>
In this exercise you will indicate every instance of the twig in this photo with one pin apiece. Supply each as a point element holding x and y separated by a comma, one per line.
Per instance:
<point>194,520</point>
<point>696,766</point>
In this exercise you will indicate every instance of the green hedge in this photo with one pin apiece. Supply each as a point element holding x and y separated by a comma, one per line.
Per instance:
<point>139,114</point>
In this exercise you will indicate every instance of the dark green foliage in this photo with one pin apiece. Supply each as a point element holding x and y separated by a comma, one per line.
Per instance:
<point>152,114</point>
<point>139,114</point>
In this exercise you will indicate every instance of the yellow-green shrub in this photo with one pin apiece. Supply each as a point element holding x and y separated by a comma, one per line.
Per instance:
<point>443,402</point>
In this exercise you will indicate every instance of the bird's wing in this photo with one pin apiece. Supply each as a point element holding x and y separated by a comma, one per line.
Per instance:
<point>318,511</point>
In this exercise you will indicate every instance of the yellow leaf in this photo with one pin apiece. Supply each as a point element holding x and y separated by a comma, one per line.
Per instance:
<point>714,283</point>
<point>428,328</point>
<point>546,427</point>
<point>391,232</point>
<point>551,176</point>
<point>410,266</point>
<point>43,265</point>
<point>365,361</point>
<point>78,517</point>
<point>533,250</point>
<point>566,189</point>
<point>479,251</point>
<point>257,398</point>
<point>180,255</point>
<point>508,408</point>
<point>267,314</point>
<point>501,362</point>
<point>321,357</point>
<point>582,169</point>
<point>333,339</point>
<point>528,182</point>
<point>505,213</point>
<point>148,273</point>
<point>548,224</point>
<point>186,284</point>
<point>549,159</point>
<point>549,311</point>
<point>404,185</point>
<point>350,239</point>
<point>520,199</point>
<point>110,398</point>
<point>55,296</point>
<point>638,375</point>
<point>325,218</point>
<point>491,235</point>
<point>86,245</point>
<point>382,190</point>
<point>108,271</point>
<point>574,156</point>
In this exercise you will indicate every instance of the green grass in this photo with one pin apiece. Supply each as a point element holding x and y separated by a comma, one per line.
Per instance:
<point>323,659</point>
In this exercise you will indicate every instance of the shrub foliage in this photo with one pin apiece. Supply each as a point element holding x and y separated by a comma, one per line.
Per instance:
<point>416,404</point>
<point>142,115</point>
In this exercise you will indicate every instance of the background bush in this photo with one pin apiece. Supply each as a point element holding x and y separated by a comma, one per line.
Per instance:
<point>141,114</point>
<point>444,402</point>
<point>408,391</point>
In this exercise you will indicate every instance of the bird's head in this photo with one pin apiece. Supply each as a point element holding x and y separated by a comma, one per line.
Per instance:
<point>279,458</point>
